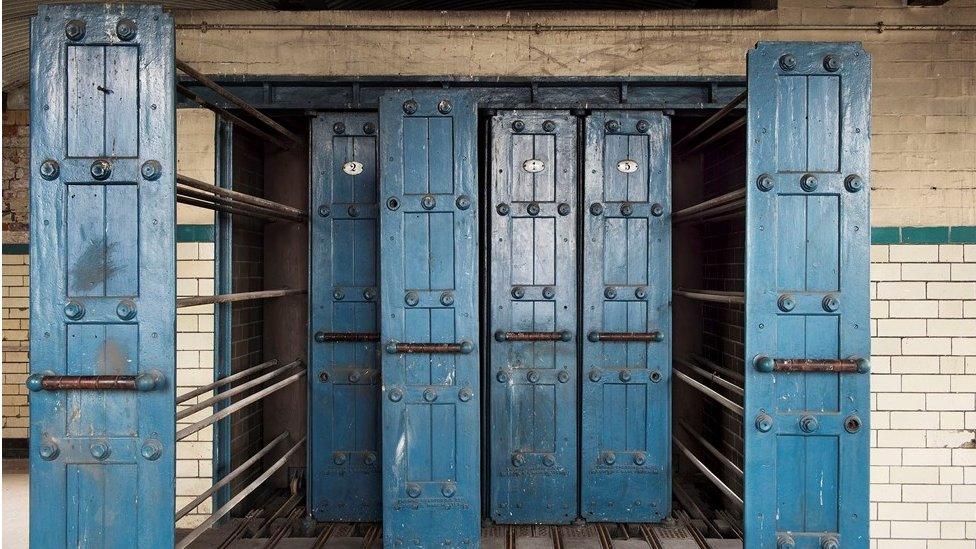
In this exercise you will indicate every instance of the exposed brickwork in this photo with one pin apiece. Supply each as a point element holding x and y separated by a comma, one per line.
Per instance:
<point>15,345</point>
<point>16,148</point>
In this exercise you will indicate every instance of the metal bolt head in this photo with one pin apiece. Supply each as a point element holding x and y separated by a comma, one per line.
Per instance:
<point>829,542</point>
<point>444,106</point>
<point>609,458</point>
<point>764,423</point>
<point>75,29</point>
<point>831,62</point>
<point>466,347</point>
<point>593,336</point>
<point>369,458</point>
<point>610,292</point>
<point>563,209</point>
<point>853,183</point>
<point>151,450</point>
<point>463,202</point>
<point>412,298</point>
<point>369,128</point>
<point>548,292</point>
<point>428,202</point>
<point>518,125</point>
<point>502,209</point>
<point>785,541</point>
<point>596,208</point>
<point>548,126</point>
<point>643,126</point>
<point>410,106</point>
<point>50,169</point>
<point>339,128</point>
<point>33,382</point>
<point>392,203</point>
<point>126,29</point>
<point>448,489</point>
<point>324,377</point>
<point>353,210</point>
<point>369,294</point>
<point>657,210</point>
<point>626,209</point>
<point>430,394</point>
<point>518,459</point>
<point>764,182</point>
<point>100,451</point>
<point>49,450</point>
<point>396,394</point>
<point>151,170</point>
<point>320,337</point>
<point>532,376</point>
<point>339,458</point>
<point>640,292</point>
<point>126,309</point>
<point>355,376</point>
<point>548,460</point>
<point>863,365</point>
<point>532,209</point>
<point>852,423</point>
<point>655,376</point>
<point>338,294</point>
<point>809,424</point>
<point>763,363</point>
<point>786,303</point>
<point>447,299</point>
<point>518,292</point>
<point>502,376</point>
<point>413,489</point>
<point>640,458</point>
<point>624,375</point>
<point>324,211</point>
<point>595,375</point>
<point>612,126</point>
<point>101,169</point>
<point>465,394</point>
<point>808,182</point>
<point>787,62</point>
<point>562,376</point>
<point>74,310</point>
<point>830,303</point>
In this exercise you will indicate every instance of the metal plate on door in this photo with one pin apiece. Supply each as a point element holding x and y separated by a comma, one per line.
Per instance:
<point>533,165</point>
<point>627,166</point>
<point>352,168</point>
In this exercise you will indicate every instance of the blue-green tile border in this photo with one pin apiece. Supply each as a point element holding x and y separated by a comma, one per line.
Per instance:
<point>194,233</point>
<point>15,249</point>
<point>962,234</point>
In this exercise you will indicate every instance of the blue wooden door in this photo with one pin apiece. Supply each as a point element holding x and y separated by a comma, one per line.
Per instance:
<point>429,305</point>
<point>344,480</point>
<point>533,317</point>
<point>102,308</point>
<point>807,334</point>
<point>625,465</point>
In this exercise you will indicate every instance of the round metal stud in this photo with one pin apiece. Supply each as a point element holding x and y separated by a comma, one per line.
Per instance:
<point>428,202</point>
<point>831,62</point>
<point>338,294</point>
<point>101,169</point>
<point>100,451</point>
<point>339,128</point>
<point>126,29</point>
<point>863,365</point>
<point>593,336</point>
<point>764,423</point>
<point>369,294</point>
<point>448,489</point>
<point>353,210</point>
<point>809,424</point>
<point>463,202</point>
<point>518,125</point>
<point>595,375</point>
<point>412,298</point>
<point>413,489</point>
<point>640,292</point>
<point>324,211</point>
<point>393,203</point>
<point>612,126</point>
<point>518,292</point>
<point>565,335</point>
<point>502,376</point>
<point>830,303</point>
<point>465,394</point>
<point>624,375</point>
<point>563,209</point>
<point>466,347</point>
<point>75,29</point>
<point>787,62</point>
<point>596,208</point>
<point>369,458</point>
<point>444,106</point>
<point>430,394</point>
<point>151,170</point>
<point>655,376</point>
<point>320,337</point>
<point>396,395</point>
<point>74,310</point>
<point>786,303</point>
<point>447,299</point>
<point>763,363</point>
<point>808,182</point>
<point>34,383</point>
<point>640,458</point>
<point>369,128</point>
<point>829,542</point>
<point>765,182</point>
<point>355,376</point>
<point>853,183</point>
<point>626,209</point>
<point>532,209</point>
<point>562,376</point>
<point>410,106</point>
<point>502,209</point>
<point>532,376</point>
<point>610,292</point>
<point>50,169</point>
<point>151,450</point>
<point>518,459</point>
<point>609,458</point>
<point>643,126</point>
<point>548,460</point>
<point>49,450</point>
<point>126,309</point>
<point>548,292</point>
<point>785,541</point>
<point>657,210</point>
<point>852,423</point>
<point>500,336</point>
<point>324,377</point>
<point>548,126</point>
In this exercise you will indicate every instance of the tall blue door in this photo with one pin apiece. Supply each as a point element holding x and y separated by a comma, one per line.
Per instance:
<point>533,317</point>
<point>102,308</point>
<point>344,480</point>
<point>807,334</point>
<point>429,328</point>
<point>625,466</point>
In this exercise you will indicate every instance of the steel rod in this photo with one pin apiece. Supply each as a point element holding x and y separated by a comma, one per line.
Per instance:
<point>726,371</point>
<point>711,120</point>
<point>711,376</point>
<point>815,365</point>
<point>241,527</point>
<point>626,337</point>
<point>285,528</point>
<point>187,412</point>
<point>429,348</point>
<point>146,381</point>
<point>231,298</point>
<point>244,105</point>
<point>502,336</point>
<point>282,510</point>
<point>734,125</point>
<point>224,381</point>
<point>685,499</point>
<point>239,196</point>
<point>708,391</point>
<point>712,295</point>
<point>712,450</point>
<point>243,403</point>
<point>708,473</point>
<point>229,477</point>
<point>339,337</point>
<point>221,208</point>
<point>184,190</point>
<point>231,117</point>
<point>734,196</point>
<point>241,495</point>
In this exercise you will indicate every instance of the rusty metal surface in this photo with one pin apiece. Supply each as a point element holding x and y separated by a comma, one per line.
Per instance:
<point>350,336</point>
<point>626,336</point>
<point>424,348</point>
<point>89,383</point>
<point>814,365</point>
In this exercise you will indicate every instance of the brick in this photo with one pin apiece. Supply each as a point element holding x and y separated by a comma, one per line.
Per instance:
<point>925,383</point>
<point>879,254</point>
<point>949,439</point>
<point>915,529</point>
<point>903,439</point>
<point>926,346</point>
<point>950,401</point>
<point>886,345</point>
<point>963,346</point>
<point>885,492</point>
<point>902,290</point>
<point>963,271</point>
<point>951,327</point>
<point>965,457</point>
<point>913,475</point>
<point>903,253</point>
<point>952,511</point>
<point>902,511</point>
<point>879,309</point>
<point>950,309</point>
<point>900,401</point>
<point>914,420</point>
<point>924,271</point>
<point>891,271</point>
<point>950,290</point>
<point>926,456</point>
<point>950,253</point>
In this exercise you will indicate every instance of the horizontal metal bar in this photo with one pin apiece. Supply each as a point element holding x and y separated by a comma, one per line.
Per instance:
<point>240,197</point>
<point>712,449</point>
<point>538,29</point>
<point>711,376</point>
<point>222,208</point>
<point>334,337</point>
<point>734,197</point>
<point>462,348</point>
<point>564,335</point>
<point>243,403</point>
<point>241,495</point>
<point>712,295</point>
<point>689,504</point>
<point>713,366</point>
<point>244,105</point>
<point>229,477</point>
<point>734,125</point>
<point>812,365</point>
<point>231,117</point>
<point>187,412</point>
<point>708,473</point>
<point>224,381</point>
<point>710,120</point>
<point>230,298</point>
<point>625,337</point>
<point>244,206</point>
<point>146,381</point>
<point>708,391</point>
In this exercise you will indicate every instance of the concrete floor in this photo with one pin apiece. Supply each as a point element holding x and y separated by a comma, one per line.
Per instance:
<point>16,502</point>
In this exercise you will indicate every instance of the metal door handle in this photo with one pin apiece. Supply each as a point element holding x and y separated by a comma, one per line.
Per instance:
<point>626,337</point>
<point>808,365</point>
<point>564,335</point>
<point>463,348</point>
<point>143,382</point>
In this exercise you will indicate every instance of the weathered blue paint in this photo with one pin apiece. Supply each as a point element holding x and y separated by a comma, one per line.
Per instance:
<point>625,464</point>
<point>807,480</point>
<point>223,312</point>
<point>429,268</point>
<point>102,245</point>
<point>344,387</point>
<point>533,289</point>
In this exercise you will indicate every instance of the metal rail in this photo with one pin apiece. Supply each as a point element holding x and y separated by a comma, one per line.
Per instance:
<point>222,208</point>
<point>241,197</point>
<point>812,365</point>
<point>734,125</point>
<point>711,120</point>
<point>339,337</point>
<point>244,206</point>
<point>685,499</point>
<point>712,449</point>
<point>283,509</point>
<point>708,391</point>
<point>241,495</point>
<point>285,528</point>
<point>243,105</point>
<point>708,473</point>
<point>625,337</point>
<point>725,371</point>
<point>187,412</point>
<point>229,477</point>
<point>711,376</point>
<point>714,296</point>
<point>244,402</point>
<point>231,117</point>
<point>146,381</point>
<point>564,335</point>
<point>736,197</point>
<point>231,298</point>
<point>224,381</point>
<point>462,348</point>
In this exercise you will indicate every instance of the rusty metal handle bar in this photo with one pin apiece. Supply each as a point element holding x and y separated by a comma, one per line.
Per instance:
<point>625,337</point>
<point>143,382</point>
<point>333,337</point>
<point>564,335</point>
<point>463,348</point>
<point>810,365</point>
